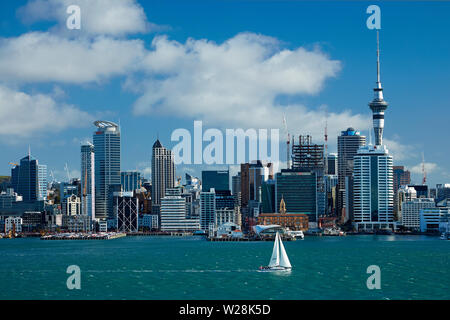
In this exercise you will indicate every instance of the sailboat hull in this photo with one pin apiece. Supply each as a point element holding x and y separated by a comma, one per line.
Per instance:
<point>275,269</point>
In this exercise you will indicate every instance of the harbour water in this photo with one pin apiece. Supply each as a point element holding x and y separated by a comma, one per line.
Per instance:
<point>412,267</point>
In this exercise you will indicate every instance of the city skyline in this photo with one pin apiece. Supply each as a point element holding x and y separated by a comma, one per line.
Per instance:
<point>73,98</point>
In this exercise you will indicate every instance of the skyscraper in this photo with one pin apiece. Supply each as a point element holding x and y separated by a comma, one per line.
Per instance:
<point>332,167</point>
<point>163,174</point>
<point>349,142</point>
<point>207,209</point>
<point>298,188</point>
<point>402,177</point>
<point>218,180</point>
<point>30,179</point>
<point>88,180</point>
<point>107,165</point>
<point>373,193</point>
<point>130,180</point>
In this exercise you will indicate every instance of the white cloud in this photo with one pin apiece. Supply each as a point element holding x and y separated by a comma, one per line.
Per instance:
<point>399,151</point>
<point>237,82</point>
<point>429,168</point>
<point>43,57</point>
<point>98,17</point>
<point>22,114</point>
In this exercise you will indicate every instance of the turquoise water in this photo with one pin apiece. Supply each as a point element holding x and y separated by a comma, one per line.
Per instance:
<point>412,267</point>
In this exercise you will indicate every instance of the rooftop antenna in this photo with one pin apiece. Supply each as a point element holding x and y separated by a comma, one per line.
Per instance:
<point>424,173</point>
<point>288,142</point>
<point>29,151</point>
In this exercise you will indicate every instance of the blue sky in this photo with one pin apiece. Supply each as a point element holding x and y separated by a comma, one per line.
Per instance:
<point>155,89</point>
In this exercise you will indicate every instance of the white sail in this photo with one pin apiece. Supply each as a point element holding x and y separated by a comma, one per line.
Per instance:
<point>284,260</point>
<point>275,259</point>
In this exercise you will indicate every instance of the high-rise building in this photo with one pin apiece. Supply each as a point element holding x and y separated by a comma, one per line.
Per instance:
<point>245,184</point>
<point>217,180</point>
<point>402,177</point>
<point>107,165</point>
<point>30,179</point>
<point>88,180</point>
<point>236,184</point>
<point>163,174</point>
<point>373,192</point>
<point>173,213</point>
<point>421,190</point>
<point>348,142</point>
<point>442,192</point>
<point>130,180</point>
<point>309,156</point>
<point>411,212</point>
<point>207,209</point>
<point>126,211</point>
<point>332,164</point>
<point>298,189</point>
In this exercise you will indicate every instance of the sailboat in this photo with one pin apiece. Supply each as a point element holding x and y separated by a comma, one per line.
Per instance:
<point>279,260</point>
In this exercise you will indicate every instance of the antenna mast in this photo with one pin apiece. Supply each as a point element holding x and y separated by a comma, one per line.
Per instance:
<point>424,173</point>
<point>326,144</point>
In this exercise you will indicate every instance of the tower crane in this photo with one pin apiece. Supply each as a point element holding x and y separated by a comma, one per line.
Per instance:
<point>288,142</point>
<point>424,173</point>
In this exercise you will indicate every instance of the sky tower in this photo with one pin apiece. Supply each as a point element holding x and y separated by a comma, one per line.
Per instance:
<point>378,105</point>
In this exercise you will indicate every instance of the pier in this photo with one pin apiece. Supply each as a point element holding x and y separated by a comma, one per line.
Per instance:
<point>81,236</point>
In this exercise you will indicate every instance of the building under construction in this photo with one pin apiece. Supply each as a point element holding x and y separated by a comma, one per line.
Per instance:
<point>306,155</point>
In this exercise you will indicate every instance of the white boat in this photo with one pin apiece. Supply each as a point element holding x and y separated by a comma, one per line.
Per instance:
<point>296,234</point>
<point>279,260</point>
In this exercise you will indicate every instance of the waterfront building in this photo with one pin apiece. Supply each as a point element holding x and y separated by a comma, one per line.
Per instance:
<point>77,223</point>
<point>411,212</point>
<point>13,224</point>
<point>207,209</point>
<point>217,180</point>
<point>373,195</point>
<point>107,165</point>
<point>298,188</point>
<point>30,179</point>
<point>348,142</point>
<point>224,215</point>
<point>163,174</point>
<point>229,230</point>
<point>173,213</point>
<point>148,221</point>
<point>404,193</point>
<point>434,220</point>
<point>32,221</point>
<point>130,181</point>
<point>126,211</point>
<point>293,221</point>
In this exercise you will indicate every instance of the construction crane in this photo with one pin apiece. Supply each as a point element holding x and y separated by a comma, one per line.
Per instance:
<point>288,141</point>
<point>67,171</point>
<point>424,173</point>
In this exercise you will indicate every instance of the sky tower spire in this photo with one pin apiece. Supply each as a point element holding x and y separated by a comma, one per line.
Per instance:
<point>378,105</point>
